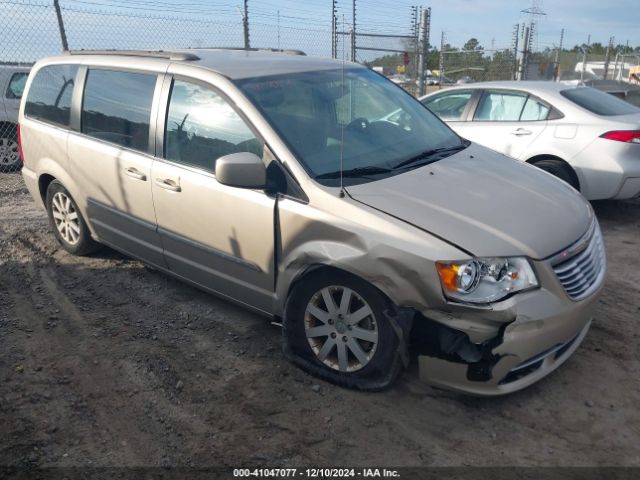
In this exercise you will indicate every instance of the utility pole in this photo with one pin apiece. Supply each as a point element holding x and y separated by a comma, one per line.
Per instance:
<point>334,30</point>
<point>63,34</point>
<point>556,75</point>
<point>353,33</point>
<point>425,25</point>
<point>245,24</point>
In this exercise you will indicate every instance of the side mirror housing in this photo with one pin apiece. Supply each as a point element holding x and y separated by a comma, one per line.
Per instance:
<point>241,170</point>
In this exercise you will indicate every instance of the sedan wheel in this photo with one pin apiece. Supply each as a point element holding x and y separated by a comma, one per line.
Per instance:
<point>9,154</point>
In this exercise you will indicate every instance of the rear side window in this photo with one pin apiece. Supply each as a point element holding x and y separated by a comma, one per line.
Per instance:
<point>534,110</point>
<point>16,85</point>
<point>449,106</point>
<point>599,102</point>
<point>202,127</point>
<point>49,96</point>
<point>500,107</point>
<point>117,107</point>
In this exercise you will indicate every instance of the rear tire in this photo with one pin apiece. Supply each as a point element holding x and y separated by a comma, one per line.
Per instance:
<point>558,169</point>
<point>350,343</point>
<point>67,222</point>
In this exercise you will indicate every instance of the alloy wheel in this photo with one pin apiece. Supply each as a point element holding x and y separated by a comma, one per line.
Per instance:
<point>66,218</point>
<point>9,152</point>
<point>341,328</point>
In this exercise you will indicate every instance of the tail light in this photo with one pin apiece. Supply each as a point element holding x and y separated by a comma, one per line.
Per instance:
<point>19,144</point>
<point>627,136</point>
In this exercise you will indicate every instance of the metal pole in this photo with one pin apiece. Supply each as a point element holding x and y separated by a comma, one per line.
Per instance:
<point>584,59</point>
<point>245,24</point>
<point>607,58</point>
<point>415,18</point>
<point>425,19</point>
<point>556,75</point>
<point>516,36</point>
<point>441,66</point>
<point>63,34</point>
<point>353,33</point>
<point>522,75</point>
<point>334,31</point>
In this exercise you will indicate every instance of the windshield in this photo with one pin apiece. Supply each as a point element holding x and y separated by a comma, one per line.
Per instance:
<point>379,129</point>
<point>598,102</point>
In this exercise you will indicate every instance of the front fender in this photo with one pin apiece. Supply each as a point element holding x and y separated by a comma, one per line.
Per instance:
<point>389,254</point>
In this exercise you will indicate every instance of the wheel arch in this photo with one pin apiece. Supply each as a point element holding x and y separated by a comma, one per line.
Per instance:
<point>537,158</point>
<point>315,268</point>
<point>44,181</point>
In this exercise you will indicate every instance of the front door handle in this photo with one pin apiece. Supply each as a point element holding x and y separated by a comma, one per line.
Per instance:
<point>521,131</point>
<point>134,173</point>
<point>168,184</point>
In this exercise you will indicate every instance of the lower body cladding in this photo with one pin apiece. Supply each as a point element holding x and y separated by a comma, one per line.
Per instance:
<point>543,332</point>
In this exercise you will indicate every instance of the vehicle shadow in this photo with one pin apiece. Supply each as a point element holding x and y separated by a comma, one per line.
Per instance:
<point>617,212</point>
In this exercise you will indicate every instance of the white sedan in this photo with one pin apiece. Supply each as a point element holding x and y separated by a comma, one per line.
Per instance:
<point>586,137</point>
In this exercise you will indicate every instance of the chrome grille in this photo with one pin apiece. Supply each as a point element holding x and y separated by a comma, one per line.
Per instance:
<point>583,271</point>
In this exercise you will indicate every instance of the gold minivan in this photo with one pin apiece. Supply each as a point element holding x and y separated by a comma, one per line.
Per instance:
<point>324,197</point>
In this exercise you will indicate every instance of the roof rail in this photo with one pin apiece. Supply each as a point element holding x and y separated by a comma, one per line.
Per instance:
<point>286,51</point>
<point>274,50</point>
<point>168,55</point>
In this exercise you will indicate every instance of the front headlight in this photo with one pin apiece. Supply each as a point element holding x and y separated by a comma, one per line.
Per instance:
<point>485,280</point>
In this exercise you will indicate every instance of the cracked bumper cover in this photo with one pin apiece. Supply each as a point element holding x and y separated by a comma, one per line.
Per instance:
<point>545,329</point>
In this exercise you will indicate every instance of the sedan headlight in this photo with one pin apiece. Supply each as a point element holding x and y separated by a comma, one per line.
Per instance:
<point>485,280</point>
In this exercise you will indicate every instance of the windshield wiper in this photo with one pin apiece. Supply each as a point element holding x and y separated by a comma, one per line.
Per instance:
<point>356,172</point>
<point>430,156</point>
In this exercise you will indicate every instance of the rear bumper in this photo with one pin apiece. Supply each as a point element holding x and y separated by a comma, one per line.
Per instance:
<point>630,189</point>
<point>609,170</point>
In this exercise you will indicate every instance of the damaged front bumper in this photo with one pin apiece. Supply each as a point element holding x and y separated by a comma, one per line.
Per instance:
<point>544,330</point>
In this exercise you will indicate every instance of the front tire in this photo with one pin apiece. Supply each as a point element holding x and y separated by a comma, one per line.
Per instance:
<point>67,222</point>
<point>336,327</point>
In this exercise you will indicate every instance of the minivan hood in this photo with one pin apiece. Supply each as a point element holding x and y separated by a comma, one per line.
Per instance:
<point>484,203</point>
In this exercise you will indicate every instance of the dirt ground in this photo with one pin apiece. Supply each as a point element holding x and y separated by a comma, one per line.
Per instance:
<point>104,362</point>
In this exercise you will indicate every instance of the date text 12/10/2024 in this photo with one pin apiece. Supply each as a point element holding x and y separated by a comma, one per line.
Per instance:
<point>315,473</point>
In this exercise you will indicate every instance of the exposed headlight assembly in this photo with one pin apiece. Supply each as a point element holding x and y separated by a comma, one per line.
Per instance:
<point>485,280</point>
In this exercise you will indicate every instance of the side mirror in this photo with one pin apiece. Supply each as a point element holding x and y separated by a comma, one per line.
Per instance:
<point>242,170</point>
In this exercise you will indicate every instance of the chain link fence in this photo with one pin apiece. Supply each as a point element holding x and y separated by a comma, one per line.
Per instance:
<point>32,29</point>
<point>464,66</point>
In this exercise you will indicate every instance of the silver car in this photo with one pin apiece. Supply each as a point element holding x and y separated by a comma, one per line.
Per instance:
<point>584,136</point>
<point>278,182</point>
<point>12,81</point>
